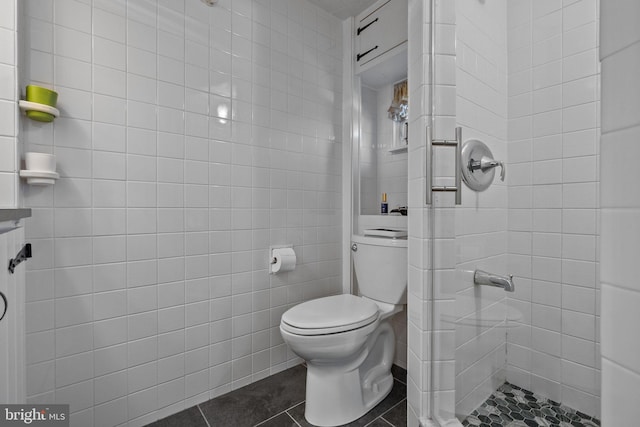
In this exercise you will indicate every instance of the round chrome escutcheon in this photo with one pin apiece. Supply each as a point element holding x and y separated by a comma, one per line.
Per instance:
<point>473,152</point>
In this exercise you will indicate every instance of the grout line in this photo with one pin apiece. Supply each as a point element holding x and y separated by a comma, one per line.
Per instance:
<point>393,407</point>
<point>278,414</point>
<point>376,419</point>
<point>269,419</point>
<point>401,382</point>
<point>294,420</point>
<point>392,425</point>
<point>205,418</point>
<point>297,404</point>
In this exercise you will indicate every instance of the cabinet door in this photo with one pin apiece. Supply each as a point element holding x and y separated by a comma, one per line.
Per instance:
<point>380,29</point>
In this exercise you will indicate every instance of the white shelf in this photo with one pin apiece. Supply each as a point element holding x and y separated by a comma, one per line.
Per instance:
<point>10,218</point>
<point>34,106</point>
<point>398,150</point>
<point>39,177</point>
<point>14,214</point>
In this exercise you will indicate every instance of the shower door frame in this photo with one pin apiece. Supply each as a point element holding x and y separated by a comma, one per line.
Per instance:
<point>439,204</point>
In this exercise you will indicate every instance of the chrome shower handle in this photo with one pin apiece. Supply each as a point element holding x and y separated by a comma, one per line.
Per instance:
<point>487,163</point>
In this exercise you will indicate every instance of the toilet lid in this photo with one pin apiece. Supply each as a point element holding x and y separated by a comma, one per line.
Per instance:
<point>330,315</point>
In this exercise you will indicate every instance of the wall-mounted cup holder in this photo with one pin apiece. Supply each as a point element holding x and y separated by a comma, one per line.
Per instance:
<point>40,169</point>
<point>40,104</point>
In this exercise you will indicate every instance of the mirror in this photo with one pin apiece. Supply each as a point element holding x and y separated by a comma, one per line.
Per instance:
<point>383,137</point>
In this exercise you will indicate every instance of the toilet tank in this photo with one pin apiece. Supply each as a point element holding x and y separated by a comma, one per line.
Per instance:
<point>380,265</point>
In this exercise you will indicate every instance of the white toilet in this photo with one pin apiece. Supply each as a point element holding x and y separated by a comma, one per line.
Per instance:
<point>346,340</point>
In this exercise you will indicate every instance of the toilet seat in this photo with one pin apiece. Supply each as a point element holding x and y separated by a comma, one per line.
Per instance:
<point>330,315</point>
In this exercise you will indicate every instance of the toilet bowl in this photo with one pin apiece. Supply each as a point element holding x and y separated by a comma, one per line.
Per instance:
<point>347,340</point>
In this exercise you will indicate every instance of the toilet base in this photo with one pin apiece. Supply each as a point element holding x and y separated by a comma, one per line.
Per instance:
<point>339,394</point>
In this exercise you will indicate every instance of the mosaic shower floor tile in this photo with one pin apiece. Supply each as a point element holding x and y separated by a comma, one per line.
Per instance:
<point>512,406</point>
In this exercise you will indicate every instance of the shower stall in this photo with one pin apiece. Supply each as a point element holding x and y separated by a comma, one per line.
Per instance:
<point>523,78</point>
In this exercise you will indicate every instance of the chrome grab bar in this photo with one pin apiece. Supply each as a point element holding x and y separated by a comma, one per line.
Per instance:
<point>457,144</point>
<point>483,278</point>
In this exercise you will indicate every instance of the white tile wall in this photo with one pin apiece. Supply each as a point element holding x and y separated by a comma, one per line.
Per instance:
<point>427,363</point>
<point>419,395</point>
<point>8,104</point>
<point>553,151</point>
<point>12,327</point>
<point>480,224</point>
<point>620,213</point>
<point>191,139</point>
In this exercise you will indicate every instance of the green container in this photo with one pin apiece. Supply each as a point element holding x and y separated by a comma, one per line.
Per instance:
<point>41,95</point>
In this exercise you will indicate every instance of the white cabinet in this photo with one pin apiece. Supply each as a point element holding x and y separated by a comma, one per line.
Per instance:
<point>12,326</point>
<point>381,30</point>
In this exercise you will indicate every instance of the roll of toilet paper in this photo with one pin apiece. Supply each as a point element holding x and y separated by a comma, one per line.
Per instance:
<point>284,259</point>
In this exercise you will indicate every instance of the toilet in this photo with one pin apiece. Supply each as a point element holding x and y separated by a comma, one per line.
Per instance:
<point>347,340</point>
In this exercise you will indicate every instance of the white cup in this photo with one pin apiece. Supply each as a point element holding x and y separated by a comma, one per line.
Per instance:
<point>41,162</point>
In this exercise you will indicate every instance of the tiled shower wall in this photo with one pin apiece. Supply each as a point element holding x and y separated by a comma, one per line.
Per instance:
<point>480,224</point>
<point>191,139</point>
<point>553,154</point>
<point>430,393</point>
<point>466,331</point>
<point>620,55</point>
<point>419,294</point>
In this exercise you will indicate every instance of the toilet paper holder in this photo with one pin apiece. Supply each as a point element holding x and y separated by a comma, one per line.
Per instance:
<point>281,258</point>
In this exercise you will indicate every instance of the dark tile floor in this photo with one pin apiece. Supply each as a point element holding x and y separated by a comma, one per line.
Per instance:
<point>512,406</point>
<point>278,401</point>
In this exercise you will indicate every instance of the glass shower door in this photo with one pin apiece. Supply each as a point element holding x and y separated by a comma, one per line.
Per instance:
<point>522,78</point>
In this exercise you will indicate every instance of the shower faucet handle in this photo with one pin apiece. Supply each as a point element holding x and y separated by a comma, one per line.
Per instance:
<point>487,163</point>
